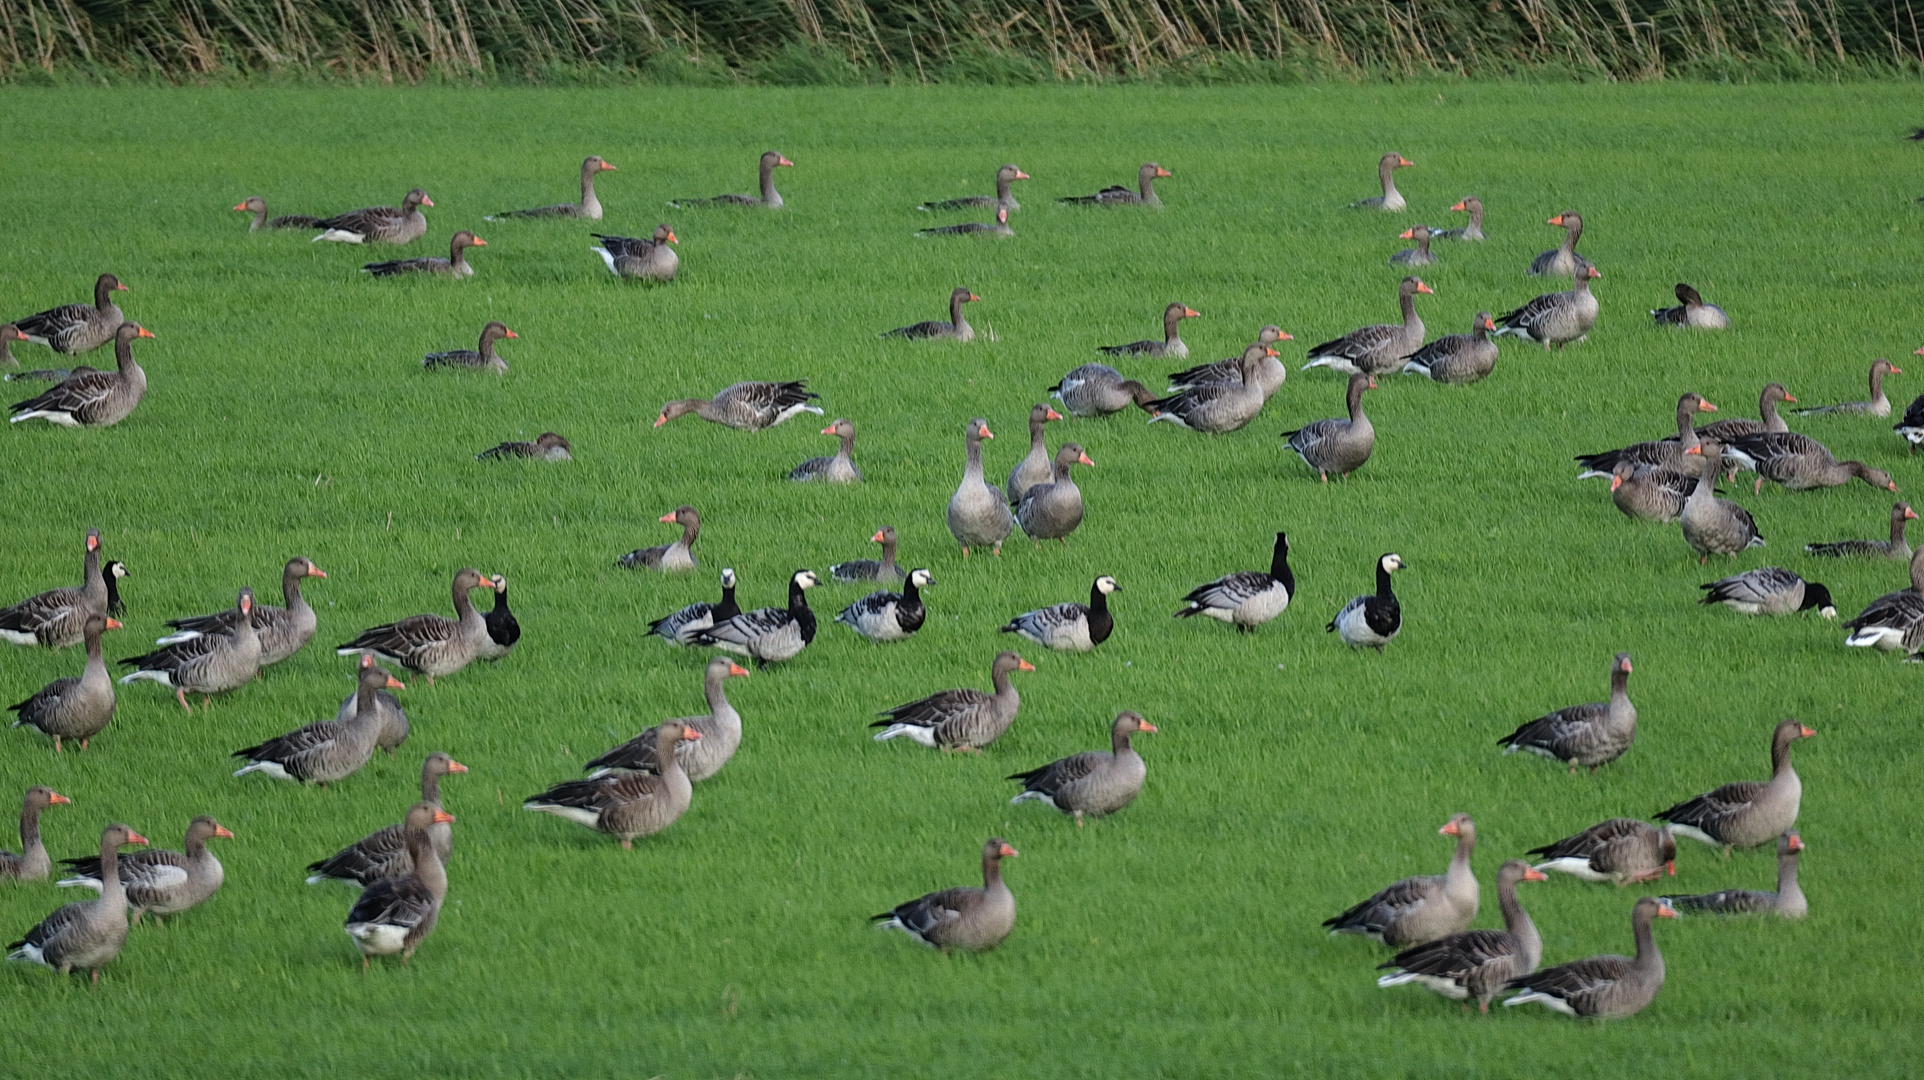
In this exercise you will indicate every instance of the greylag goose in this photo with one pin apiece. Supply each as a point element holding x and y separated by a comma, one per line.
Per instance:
<point>32,863</point>
<point>1098,390</point>
<point>1270,376</point>
<point>1650,492</point>
<point>1117,195</point>
<point>1769,590</point>
<point>1878,405</point>
<point>1476,963</point>
<point>770,198</point>
<point>1621,851</point>
<point>207,665</point>
<point>1749,812</point>
<point>329,749</point>
<point>431,645</point>
<point>889,616</point>
<point>481,358</point>
<point>157,880</point>
<point>1070,627</point>
<point>455,265</point>
<point>1473,206</point>
<point>1713,526</point>
<point>1911,427</point>
<point>394,718</point>
<point>963,917</point>
<point>87,934</point>
<point>1800,463</point>
<point>1725,430</point>
<point>1171,343</point>
<point>1338,445</point>
<point>283,631</point>
<point>956,329</point>
<point>57,618</point>
<point>503,628</point>
<point>380,224</point>
<point>1657,452</point>
<point>680,626</point>
<point>384,852</point>
<point>1391,199</point>
<point>627,804</point>
<point>1379,349</point>
<point>679,555</point>
<point>720,734</point>
<point>1218,407</point>
<point>1052,511</point>
<point>395,914</point>
<point>1003,199</point>
<point>1417,910</point>
<point>1373,620</point>
<point>9,334</point>
<point>1788,901</point>
<point>89,398</point>
<point>547,446</point>
<point>1420,254</point>
<point>1457,358</point>
<point>74,707</point>
<point>1093,782</point>
<point>1894,620</point>
<point>1607,987</point>
<point>77,328</point>
<point>589,207</point>
<point>998,227</point>
<point>1034,468</point>
<point>839,469</point>
<point>1556,318</point>
<point>747,406</point>
<point>1563,260</point>
<point>960,719</point>
<point>885,570</point>
<point>978,514</point>
<point>257,206</point>
<point>1593,734</point>
<point>1895,548</point>
<point>1247,598</point>
<point>1691,312</point>
<point>650,259</point>
<point>770,635</point>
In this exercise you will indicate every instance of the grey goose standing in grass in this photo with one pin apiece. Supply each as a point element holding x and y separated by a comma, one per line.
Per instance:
<point>431,645</point>
<point>770,635</point>
<point>1218,407</point>
<point>207,665</point>
<point>283,631</point>
<point>1416,910</point>
<point>1769,590</point>
<point>1375,619</point>
<point>395,914</point>
<point>679,555</point>
<point>769,199</point>
<point>1269,376</point>
<point>379,224</point>
<point>547,446</point>
<point>455,265</point>
<point>1607,987</point>
<point>1420,254</point>
<point>89,398</point>
<point>1691,311</point>
<point>1117,195</point>
<point>1457,358</point>
<point>1620,851</point>
<point>884,569</point>
<point>394,718</point>
<point>960,719</point>
<point>1788,901</point>
<point>1034,467</point>
<point>327,750</point>
<point>384,852</point>
<point>998,227</point>
<point>77,328</point>
<point>1650,492</point>
<point>1472,206</point>
<point>1800,463</point>
<point>1476,963</point>
<point>651,259</point>
<point>31,863</point>
<point>1747,813</point>
<point>157,880</point>
<point>1657,452</point>
<point>839,469</point>
<point>889,616</point>
<point>1053,510</point>
<point>1247,598</point>
<point>1556,318</point>
<point>956,329</point>
<point>504,630</point>
<point>1098,390</point>
<point>1391,199</point>
<point>74,707</point>
<point>1897,547</point>
<point>720,734</point>
<point>627,804</point>
<point>1563,260</point>
<point>57,618</point>
<point>1713,526</point>
<point>87,934</point>
<point>978,513</point>
<point>963,917</point>
<point>747,406</point>
<point>679,627</point>
<point>481,358</point>
<point>1894,620</point>
<point>257,206</point>
<point>1378,349</point>
<point>588,207</point>
<point>1095,782</point>
<point>1594,734</point>
<point>1339,445</point>
<point>1070,627</point>
<point>1878,405</point>
<point>1003,199</point>
<point>1171,343</point>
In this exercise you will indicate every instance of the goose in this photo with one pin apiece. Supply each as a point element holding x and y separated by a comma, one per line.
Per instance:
<point>1800,463</point>
<point>1070,627</point>
<point>839,469</point>
<point>1098,390</point>
<point>1417,910</point>
<point>770,198</point>
<point>1878,405</point>
<point>1473,206</point>
<point>87,934</point>
<point>960,719</point>
<point>77,328</point>
<point>1117,195</point>
<point>283,631</point>
<point>1896,547</point>
<point>9,334</point>
<point>1621,851</point>
<point>1391,199</point>
<point>431,645</point>
<point>956,329</point>
<point>1746,813</point>
<point>1269,376</point>
<point>747,406</point>
<point>1247,598</point>
<point>978,514</point>
<point>257,206</point>
<point>384,852</point>
<point>1769,590</point>
<point>1788,901</point>
<point>1052,511</point>
<point>1457,358</point>
<point>1476,963</point>
<point>395,914</point>
<point>1595,734</point>
<point>998,227</point>
<point>380,224</point>
<point>1373,620</point>
<point>889,616</point>
<point>884,570</point>
<point>1338,445</point>
<point>394,718</point>
<point>1726,430</point>
<point>1034,468</point>
<point>503,628</point>
<point>1656,452</point>
<point>1003,199</point>
<point>679,627</point>
<point>1171,343</point>
<point>57,618</point>
<point>962,917</point>
<point>481,358</point>
<point>628,804</point>
<point>720,734</point>
<point>207,665</point>
<point>92,398</point>
<point>1094,782</point>
<point>589,207</point>
<point>455,265</point>
<point>1894,620</point>
<point>74,707</point>
<point>329,749</point>
<point>110,574</point>
<point>547,446</point>
<point>1692,312</point>
<point>1911,427</point>
<point>651,259</point>
<point>666,557</point>
<point>770,635</point>
<point>1713,526</point>
<point>32,863</point>
<point>1218,407</point>
<point>1556,318</point>
<point>1379,349</point>
<point>1420,254</point>
<point>157,880</point>
<point>1607,987</point>
<point>1563,260</point>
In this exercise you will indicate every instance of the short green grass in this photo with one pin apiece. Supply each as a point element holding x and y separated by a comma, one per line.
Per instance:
<point>289,414</point>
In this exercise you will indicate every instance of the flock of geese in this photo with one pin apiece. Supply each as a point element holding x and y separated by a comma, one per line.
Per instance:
<point>644,785</point>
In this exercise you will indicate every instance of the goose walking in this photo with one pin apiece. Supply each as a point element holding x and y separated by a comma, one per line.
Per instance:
<point>719,734</point>
<point>1556,319</point>
<point>480,358</point>
<point>1713,526</point>
<point>1269,376</point>
<point>384,852</point>
<point>1595,734</point>
<point>1457,358</point>
<point>1894,620</point>
<point>1117,195</point>
<point>770,635</point>
<point>1171,343</point>
<point>207,665</point>
<point>1339,445</point>
<point>380,224</point>
<point>1378,349</point>
<point>1419,255</point>
<point>1621,851</point>
<point>89,398</point>
<point>1390,200</point>
<point>839,469</point>
<point>257,206</point>
<point>680,626</point>
<point>1416,910</point>
<point>157,880</point>
<point>1661,453</point>
<point>1800,463</point>
<point>455,265</point>
<point>960,719</point>
<point>1099,390</point>
<point>978,513</point>
<point>328,750</point>
<point>547,446</point>
<point>1095,782</point>
<point>1769,590</point>
<point>1218,407</point>
<point>395,914</point>
<point>1373,620</point>
<point>57,618</point>
<point>1053,510</point>
<point>963,917</point>
<point>283,631</point>
<point>1034,468</point>
<point>1607,987</point>
<point>431,645</point>
<point>1003,199</point>
<point>87,934</point>
<point>77,328</point>
<point>679,555</point>
<point>887,615</point>
<point>769,199</point>
<point>1878,405</point>
<point>31,863</point>
<point>884,569</point>
<point>625,805</point>
<point>956,329</point>
<point>1070,627</point>
<point>1788,901</point>
<point>1692,312</point>
<point>588,207</point>
<point>747,406</point>
<point>1563,260</point>
<point>1472,206</point>
<point>998,227</point>
<point>1897,547</point>
<point>1247,598</point>
<point>1476,963</point>
<point>1747,813</point>
<point>650,259</point>
<point>74,707</point>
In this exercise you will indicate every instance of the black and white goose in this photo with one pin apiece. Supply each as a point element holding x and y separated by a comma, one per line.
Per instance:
<point>769,635</point>
<point>1070,627</point>
<point>1248,598</point>
<point>887,615</point>
<point>680,627</point>
<point>503,628</point>
<point>1372,620</point>
<point>1769,590</point>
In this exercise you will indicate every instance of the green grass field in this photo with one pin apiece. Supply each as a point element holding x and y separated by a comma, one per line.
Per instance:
<point>289,414</point>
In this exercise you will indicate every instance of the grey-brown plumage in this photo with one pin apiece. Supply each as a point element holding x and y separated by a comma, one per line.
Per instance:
<point>1563,260</point>
<point>1747,813</point>
<point>1117,195</point>
<point>1270,374</point>
<point>1691,311</point>
<point>885,569</point>
<point>1769,590</point>
<point>77,328</point>
<point>206,665</point>
<point>1340,445</point>
<point>1420,909</point>
<point>720,734</point>
<point>57,618</point>
<point>770,198</point>
<point>87,935</point>
<point>679,555</point>
<point>74,707</point>
<point>481,358</point>
<point>394,718</point>
<point>1473,206</point>
<point>1377,349</point>
<point>395,914</point>
<point>1457,358</point>
<point>384,852</point>
<point>998,227</point>
<point>1607,987</point>
<point>956,329</point>
<point>1476,963</point>
<point>1800,463</point>
<point>962,917</point>
<point>1391,199</point>
<point>1218,407</point>
<point>1419,255</point>
<point>1556,318</point>
<point>651,259</point>
<point>1650,492</point>
<point>455,265</point>
<point>380,224</point>
<point>1769,420</point>
<point>1878,405</point>
<point>960,719</point>
<point>283,631</point>
<point>1003,199</point>
<point>1171,344</point>
<point>257,206</point>
<point>631,804</point>
<point>770,635</point>
<point>160,881</point>
<point>1095,782</point>
<point>1620,851</point>
<point>1788,901</point>
<point>1053,510</point>
<point>1034,467</point>
<point>330,749</point>
<point>1658,452</point>
<point>1897,547</point>
<point>838,469</point>
<point>89,398</point>
<point>1098,390</point>
<point>9,334</point>
<point>978,513</point>
<point>1713,526</point>
<point>1594,734</point>
<point>588,207</point>
<point>31,863</point>
<point>547,446</point>
<point>747,406</point>
<point>431,645</point>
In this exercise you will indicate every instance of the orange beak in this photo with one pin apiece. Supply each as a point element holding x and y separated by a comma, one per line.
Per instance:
<point>315,571</point>
<point>1052,415</point>
<point>1595,273</point>
<point>1531,873</point>
<point>1897,371</point>
<point>1372,382</point>
<point>1796,843</point>
<point>221,831</point>
<point>1667,912</point>
<point>1789,396</point>
<point>442,817</point>
<point>135,838</point>
<point>660,420</point>
<point>1020,175</point>
<point>246,604</point>
<point>1024,665</point>
<point>1191,313</point>
<point>120,286</point>
<point>986,433</point>
<point>1406,234</point>
<point>144,332</point>
<point>1267,351</point>
<point>1558,220</point>
<point>605,167</point>
<point>1705,406</point>
<point>425,201</point>
<point>1084,458</point>
<point>972,296</point>
<point>1404,163</point>
<point>509,333</point>
<point>1162,172</point>
<point>57,799</point>
<point>1145,726</point>
<point>1280,336</point>
<point>241,206</point>
<point>877,538</point>
<point>690,734</point>
<point>1626,666</point>
<point>485,583</point>
<point>1670,866</point>
<point>829,430</point>
<point>735,669</point>
<point>1008,852</point>
<point>478,242</point>
<point>1910,514</point>
<point>1489,325</point>
<point>116,624</point>
<point>1615,483</point>
<point>395,684</point>
<point>671,237</point>
<point>455,766</point>
<point>784,161</point>
<point>1460,206</point>
<point>93,543</point>
<point>668,518</point>
<point>1420,287</point>
<point>1450,829</point>
<point>1805,732</point>
<point>1698,450</point>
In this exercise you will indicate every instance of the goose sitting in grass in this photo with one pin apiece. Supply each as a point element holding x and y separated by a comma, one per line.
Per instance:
<point>770,635</point>
<point>959,719</point>
<point>680,626</point>
<point>1067,626</point>
<point>887,615</point>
